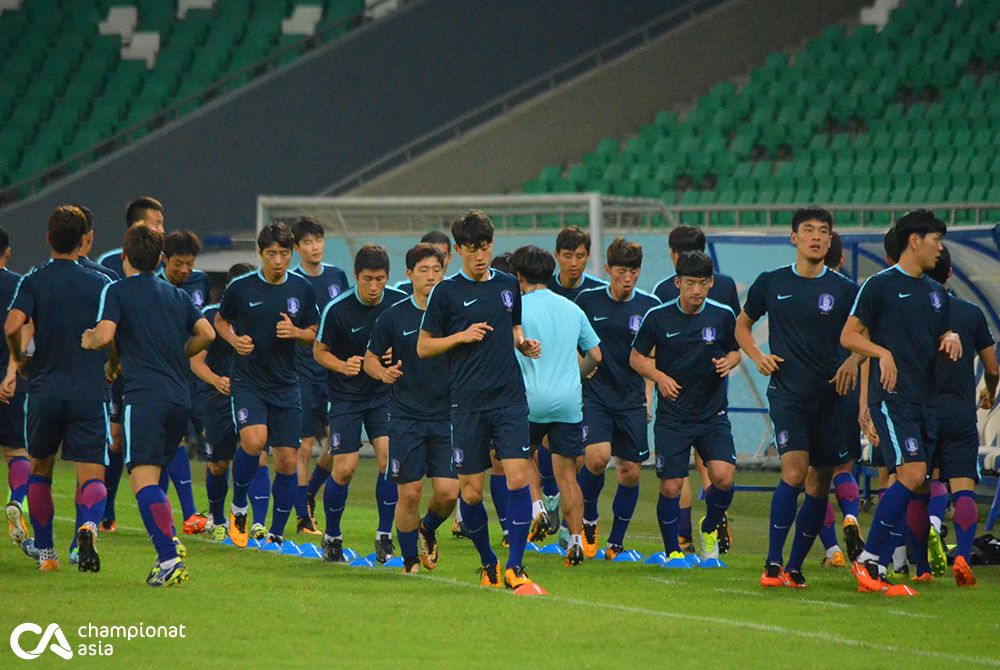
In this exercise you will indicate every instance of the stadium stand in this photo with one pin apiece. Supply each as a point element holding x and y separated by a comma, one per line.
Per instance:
<point>85,72</point>
<point>907,114</point>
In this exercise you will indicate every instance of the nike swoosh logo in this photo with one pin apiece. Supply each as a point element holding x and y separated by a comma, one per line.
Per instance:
<point>777,527</point>
<point>643,453</point>
<point>842,455</point>
<point>466,303</point>
<point>904,295</point>
<point>523,523</point>
<point>261,497</point>
<point>188,481</point>
<point>256,304</point>
<point>407,333</point>
<point>784,297</point>
<point>354,330</point>
<point>526,448</point>
<point>669,335</point>
<point>600,318</point>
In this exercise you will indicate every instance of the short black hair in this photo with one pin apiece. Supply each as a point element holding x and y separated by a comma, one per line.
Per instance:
<point>4,241</point>
<point>142,247</point>
<point>811,213</point>
<point>473,229</point>
<point>67,226</point>
<point>372,257</point>
<point>275,233</point>
<point>502,263</point>
<point>891,245</point>
<point>622,253</point>
<point>136,209</point>
<point>306,226</point>
<point>571,239</point>
<point>835,253</point>
<point>686,238</point>
<point>533,263</point>
<point>181,243</point>
<point>88,215</point>
<point>237,270</point>
<point>436,237</point>
<point>942,269</point>
<point>695,264</point>
<point>421,251</point>
<point>920,222</point>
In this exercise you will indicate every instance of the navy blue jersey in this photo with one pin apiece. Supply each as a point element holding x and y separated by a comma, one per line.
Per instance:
<point>113,261</point>
<point>587,282</point>
<point>805,319</point>
<point>906,315</point>
<point>615,385</point>
<point>8,285</point>
<point>154,321</point>
<point>97,267</point>
<point>219,356</point>
<point>685,346</point>
<point>345,329</point>
<point>723,290</point>
<point>253,307</point>
<point>196,286</point>
<point>61,298</point>
<point>484,375</point>
<point>327,286</point>
<point>406,286</point>
<point>422,392</point>
<point>955,391</point>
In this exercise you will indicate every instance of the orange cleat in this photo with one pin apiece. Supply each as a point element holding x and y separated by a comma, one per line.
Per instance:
<point>926,578</point>
<point>490,576</point>
<point>900,590</point>
<point>962,572</point>
<point>773,577</point>
<point>109,526</point>
<point>866,582</point>
<point>195,524</point>
<point>48,565</point>
<point>590,540</point>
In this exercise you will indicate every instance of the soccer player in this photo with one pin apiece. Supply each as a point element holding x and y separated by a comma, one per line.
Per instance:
<point>807,305</point>
<point>907,316</point>
<point>60,299</point>
<point>214,367</point>
<point>616,400</point>
<point>357,399</point>
<point>148,211</point>
<point>419,432</point>
<point>262,315</point>
<point>681,239</point>
<point>553,380</point>
<point>955,405</point>
<point>475,318</point>
<point>12,417</point>
<point>156,328</point>
<point>572,257</point>
<point>686,346</point>
<point>440,241</point>
<point>328,283</point>
<point>180,250</point>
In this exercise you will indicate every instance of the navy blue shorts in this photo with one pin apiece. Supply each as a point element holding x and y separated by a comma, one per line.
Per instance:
<point>12,423</point>
<point>347,418</point>
<point>80,427</point>
<point>565,439</point>
<point>957,453</point>
<point>907,433</point>
<point>116,408</point>
<point>626,430</point>
<point>474,434</point>
<point>802,424</point>
<point>281,413</point>
<point>419,449</point>
<point>221,436</point>
<point>315,410</point>
<point>712,439</point>
<point>152,432</point>
<point>845,425</point>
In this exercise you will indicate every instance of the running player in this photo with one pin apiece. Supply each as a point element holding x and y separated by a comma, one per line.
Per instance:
<point>214,367</point>
<point>357,399</point>
<point>419,432</point>
<point>906,315</point>
<point>328,283</point>
<point>441,242</point>
<point>156,328</point>
<point>616,401</point>
<point>553,381</point>
<point>472,317</point>
<point>262,316</point>
<point>806,305</point>
<point>687,348</point>
<point>955,405</point>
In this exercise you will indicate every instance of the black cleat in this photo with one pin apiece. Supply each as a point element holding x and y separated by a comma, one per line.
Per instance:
<point>852,538</point>
<point>384,548</point>
<point>333,550</point>
<point>458,530</point>
<point>86,541</point>
<point>428,544</point>
<point>411,566</point>
<point>725,536</point>
<point>311,505</point>
<point>574,555</point>
<point>795,579</point>
<point>306,526</point>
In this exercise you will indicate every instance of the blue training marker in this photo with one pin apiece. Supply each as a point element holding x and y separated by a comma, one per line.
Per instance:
<point>712,563</point>
<point>659,558</point>
<point>394,562</point>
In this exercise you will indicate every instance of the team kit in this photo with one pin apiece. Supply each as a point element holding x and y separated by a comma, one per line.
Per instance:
<point>518,367</point>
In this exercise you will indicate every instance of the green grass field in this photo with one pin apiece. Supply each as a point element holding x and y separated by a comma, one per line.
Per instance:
<point>248,609</point>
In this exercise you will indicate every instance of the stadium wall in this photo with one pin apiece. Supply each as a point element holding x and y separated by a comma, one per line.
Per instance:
<point>326,115</point>
<point>615,100</point>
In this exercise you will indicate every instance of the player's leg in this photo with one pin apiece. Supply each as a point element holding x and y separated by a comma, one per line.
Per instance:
<point>250,416</point>
<point>44,423</point>
<point>407,521</point>
<point>809,521</point>
<point>963,492</point>
<point>179,471</point>
<point>684,527</point>
<point>216,488</point>
<point>549,485</point>
<point>845,486</point>
<point>345,443</point>
<point>509,427</point>
<point>470,460</point>
<point>116,455</point>
<point>540,522</point>
<point>599,428</point>
<point>220,448</point>
<point>284,423</point>
<point>320,474</point>
<point>791,435</point>
<point>18,473</point>
<point>630,446</point>
<point>715,444</point>
<point>673,451</point>
<point>499,494</point>
<point>436,436</point>
<point>958,446</point>
<point>571,503</point>
<point>376,419</point>
<point>313,427</point>
<point>833,556</point>
<point>304,519</point>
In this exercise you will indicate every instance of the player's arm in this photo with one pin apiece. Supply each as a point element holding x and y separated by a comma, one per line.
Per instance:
<point>646,366</point>
<point>99,336</point>
<point>767,364</point>
<point>12,331</point>
<point>429,346</point>
<point>727,363</point>
<point>991,375</point>
<point>112,366</point>
<point>590,361</point>
<point>527,346</point>
<point>854,338</point>
<point>199,366</point>
<point>951,345</point>
<point>286,330</point>
<point>376,370</point>
<point>202,335</point>
<point>241,344</point>
<point>349,368</point>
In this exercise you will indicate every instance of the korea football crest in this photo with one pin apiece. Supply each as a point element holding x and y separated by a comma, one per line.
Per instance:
<point>825,303</point>
<point>198,298</point>
<point>394,467</point>
<point>333,290</point>
<point>458,456</point>
<point>334,441</point>
<point>782,438</point>
<point>634,322</point>
<point>293,306</point>
<point>936,301</point>
<point>243,415</point>
<point>911,446</point>
<point>508,299</point>
<point>709,335</point>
